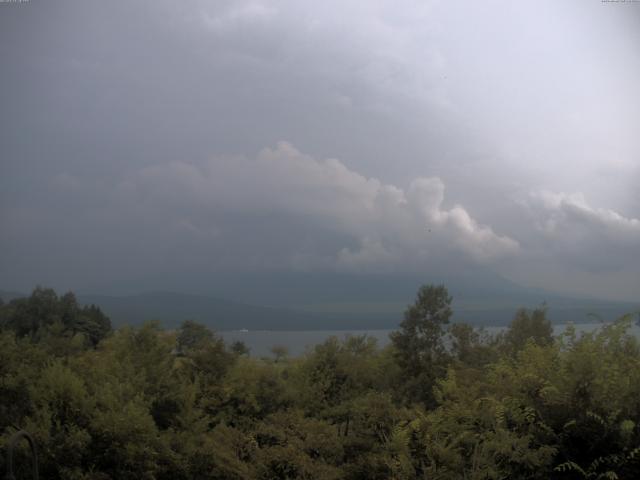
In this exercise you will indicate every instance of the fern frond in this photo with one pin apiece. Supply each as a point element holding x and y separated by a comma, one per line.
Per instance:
<point>571,467</point>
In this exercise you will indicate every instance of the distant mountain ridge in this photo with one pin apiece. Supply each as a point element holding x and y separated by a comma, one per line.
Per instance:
<point>172,308</point>
<point>323,302</point>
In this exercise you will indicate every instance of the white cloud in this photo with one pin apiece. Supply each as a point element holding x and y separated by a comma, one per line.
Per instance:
<point>381,226</point>
<point>562,213</point>
<point>479,241</point>
<point>569,230</point>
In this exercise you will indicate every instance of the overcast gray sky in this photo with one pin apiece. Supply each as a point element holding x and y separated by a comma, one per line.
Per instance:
<point>154,140</point>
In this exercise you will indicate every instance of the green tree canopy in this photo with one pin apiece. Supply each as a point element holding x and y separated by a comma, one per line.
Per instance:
<point>34,316</point>
<point>419,345</point>
<point>528,326</point>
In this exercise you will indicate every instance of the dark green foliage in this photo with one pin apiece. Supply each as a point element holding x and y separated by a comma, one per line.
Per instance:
<point>528,327</point>
<point>43,313</point>
<point>419,346</point>
<point>442,403</point>
<point>470,346</point>
<point>240,348</point>
<point>192,336</point>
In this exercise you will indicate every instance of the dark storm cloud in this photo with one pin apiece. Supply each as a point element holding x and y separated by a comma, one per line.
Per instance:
<point>130,131</point>
<point>281,209</point>
<point>102,86</point>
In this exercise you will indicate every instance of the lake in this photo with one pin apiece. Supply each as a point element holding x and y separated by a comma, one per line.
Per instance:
<point>260,342</point>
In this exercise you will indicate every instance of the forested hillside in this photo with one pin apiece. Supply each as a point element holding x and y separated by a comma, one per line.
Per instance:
<point>442,401</point>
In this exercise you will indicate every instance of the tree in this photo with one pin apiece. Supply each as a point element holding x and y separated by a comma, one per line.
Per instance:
<point>94,324</point>
<point>240,348</point>
<point>528,326</point>
<point>45,315</point>
<point>192,335</point>
<point>27,315</point>
<point>280,353</point>
<point>420,350</point>
<point>471,347</point>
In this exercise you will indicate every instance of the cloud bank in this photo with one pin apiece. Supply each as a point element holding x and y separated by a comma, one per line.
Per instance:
<point>381,226</point>
<point>282,209</point>
<point>586,237</point>
<point>109,107</point>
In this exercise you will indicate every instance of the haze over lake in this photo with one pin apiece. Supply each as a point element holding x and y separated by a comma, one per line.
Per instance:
<point>260,342</point>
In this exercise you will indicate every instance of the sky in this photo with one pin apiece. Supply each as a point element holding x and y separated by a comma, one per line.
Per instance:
<point>157,144</point>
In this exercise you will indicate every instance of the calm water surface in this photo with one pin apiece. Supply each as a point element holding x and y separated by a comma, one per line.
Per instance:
<point>260,342</point>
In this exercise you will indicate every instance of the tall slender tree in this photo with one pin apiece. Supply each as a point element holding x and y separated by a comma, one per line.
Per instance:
<point>419,345</point>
